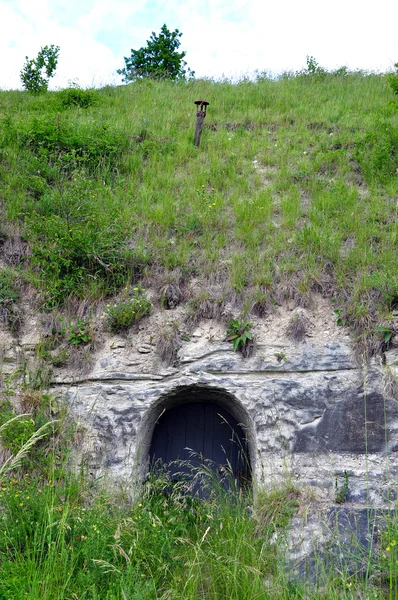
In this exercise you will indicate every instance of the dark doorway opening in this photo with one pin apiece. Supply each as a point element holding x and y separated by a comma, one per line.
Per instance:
<point>193,438</point>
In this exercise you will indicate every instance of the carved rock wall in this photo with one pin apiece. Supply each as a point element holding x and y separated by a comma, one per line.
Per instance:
<point>309,413</point>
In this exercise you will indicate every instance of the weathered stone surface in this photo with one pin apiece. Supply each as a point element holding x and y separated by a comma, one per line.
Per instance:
<point>356,424</point>
<point>333,356</point>
<point>304,414</point>
<point>392,357</point>
<point>341,538</point>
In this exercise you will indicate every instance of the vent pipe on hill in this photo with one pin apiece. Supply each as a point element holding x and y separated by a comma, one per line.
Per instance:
<point>200,114</point>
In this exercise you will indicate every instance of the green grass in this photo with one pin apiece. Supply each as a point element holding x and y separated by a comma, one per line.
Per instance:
<point>64,535</point>
<point>112,193</point>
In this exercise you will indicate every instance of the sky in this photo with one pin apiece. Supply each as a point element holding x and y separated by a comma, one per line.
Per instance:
<point>221,38</point>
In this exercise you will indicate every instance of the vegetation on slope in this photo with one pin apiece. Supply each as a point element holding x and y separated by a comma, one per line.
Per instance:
<point>293,190</point>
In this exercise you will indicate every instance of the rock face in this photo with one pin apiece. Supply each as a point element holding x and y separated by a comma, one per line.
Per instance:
<point>306,412</point>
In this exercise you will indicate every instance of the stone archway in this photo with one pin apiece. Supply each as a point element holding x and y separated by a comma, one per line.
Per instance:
<point>202,425</point>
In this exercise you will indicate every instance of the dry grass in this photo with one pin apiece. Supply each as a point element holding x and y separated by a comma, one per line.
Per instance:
<point>168,343</point>
<point>298,327</point>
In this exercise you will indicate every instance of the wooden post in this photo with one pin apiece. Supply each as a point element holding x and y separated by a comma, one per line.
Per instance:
<point>200,117</point>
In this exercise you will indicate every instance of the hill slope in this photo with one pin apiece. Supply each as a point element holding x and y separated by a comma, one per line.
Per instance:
<point>294,189</point>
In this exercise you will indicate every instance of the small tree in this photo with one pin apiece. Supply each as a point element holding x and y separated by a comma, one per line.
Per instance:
<point>159,59</point>
<point>393,79</point>
<point>36,72</point>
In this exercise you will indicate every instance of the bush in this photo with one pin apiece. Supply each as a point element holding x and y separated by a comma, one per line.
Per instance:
<point>74,96</point>
<point>393,80</point>
<point>120,316</point>
<point>377,153</point>
<point>159,59</point>
<point>74,244</point>
<point>69,146</point>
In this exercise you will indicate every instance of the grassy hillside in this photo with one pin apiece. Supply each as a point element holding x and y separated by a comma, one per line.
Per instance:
<point>293,189</point>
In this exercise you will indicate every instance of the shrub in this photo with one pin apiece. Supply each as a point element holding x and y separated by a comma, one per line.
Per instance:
<point>121,315</point>
<point>70,145</point>
<point>73,243</point>
<point>393,80</point>
<point>159,59</point>
<point>75,96</point>
<point>377,153</point>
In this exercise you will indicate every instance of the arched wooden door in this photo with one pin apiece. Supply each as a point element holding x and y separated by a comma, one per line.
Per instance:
<point>188,435</point>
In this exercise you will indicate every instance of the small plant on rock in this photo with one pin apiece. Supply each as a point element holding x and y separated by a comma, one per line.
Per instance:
<point>342,491</point>
<point>239,333</point>
<point>121,315</point>
<point>79,333</point>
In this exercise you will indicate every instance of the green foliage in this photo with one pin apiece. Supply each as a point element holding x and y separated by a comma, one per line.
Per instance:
<point>386,333</point>
<point>275,507</point>
<point>60,358</point>
<point>18,429</point>
<point>304,170</point>
<point>158,60</point>
<point>9,291</point>
<point>81,540</point>
<point>74,243</point>
<point>239,333</point>
<point>393,80</point>
<point>342,491</point>
<point>387,561</point>
<point>280,356</point>
<point>341,316</point>
<point>377,153</point>
<point>36,72</point>
<point>76,97</point>
<point>121,315</point>
<point>66,146</point>
<point>313,67</point>
<point>79,333</point>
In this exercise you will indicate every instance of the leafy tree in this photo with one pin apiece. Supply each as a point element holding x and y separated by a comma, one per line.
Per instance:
<point>36,72</point>
<point>159,59</point>
<point>393,79</point>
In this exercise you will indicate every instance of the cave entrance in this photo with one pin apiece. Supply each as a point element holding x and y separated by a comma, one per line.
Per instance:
<point>197,433</point>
